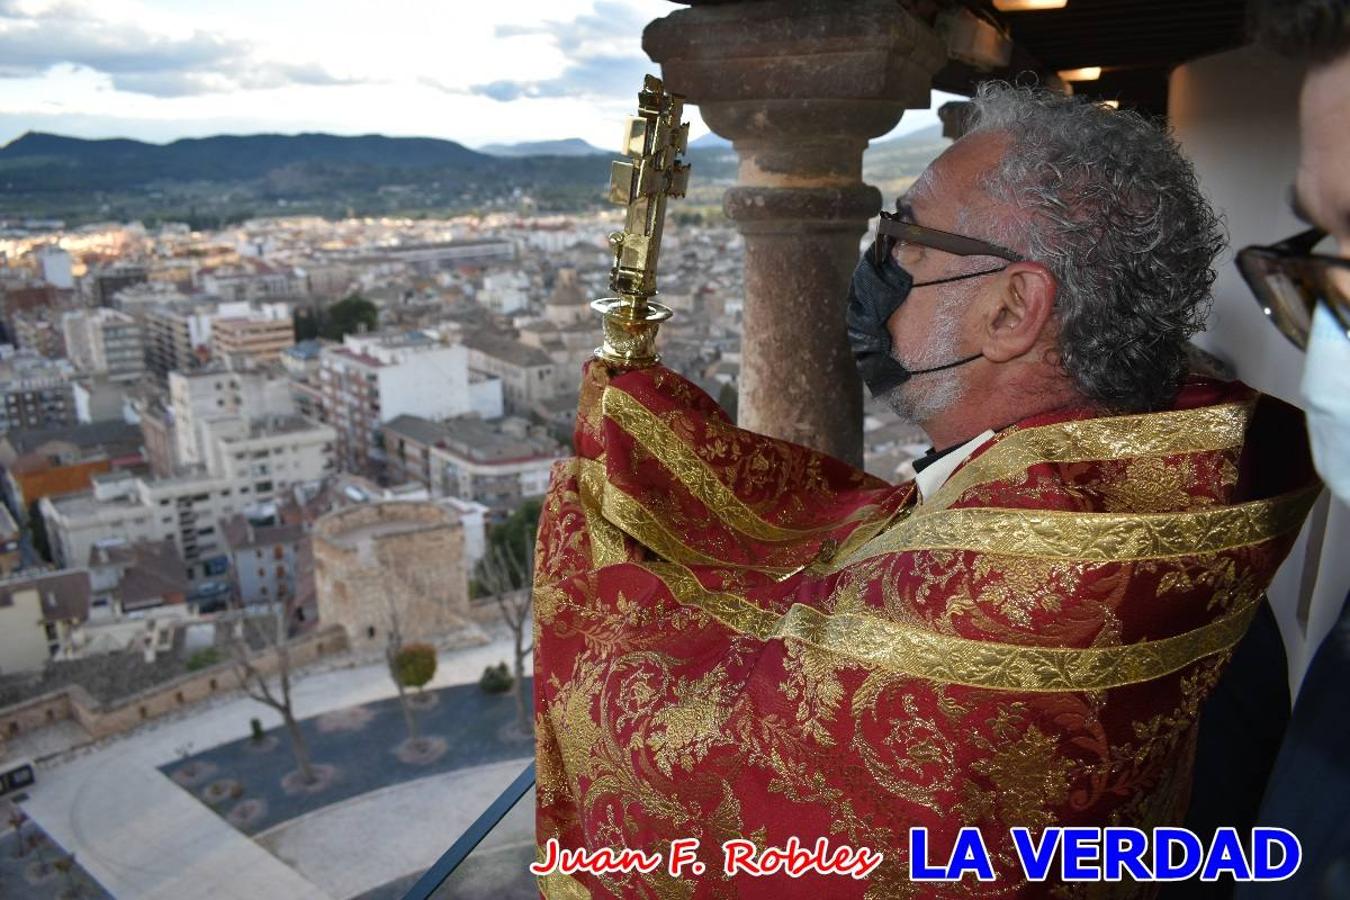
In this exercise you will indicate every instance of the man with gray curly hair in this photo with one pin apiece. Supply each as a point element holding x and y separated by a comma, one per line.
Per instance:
<point>1104,250</point>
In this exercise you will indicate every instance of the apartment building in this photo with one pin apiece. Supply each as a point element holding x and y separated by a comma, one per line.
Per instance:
<point>527,373</point>
<point>248,462</point>
<point>218,392</point>
<point>372,379</point>
<point>495,463</point>
<point>36,392</point>
<point>39,463</point>
<point>105,341</point>
<point>264,555</point>
<point>177,337</point>
<point>262,336</point>
<point>38,330</point>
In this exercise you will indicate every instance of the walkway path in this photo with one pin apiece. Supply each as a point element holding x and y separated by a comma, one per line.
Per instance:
<point>142,836</point>
<point>357,845</point>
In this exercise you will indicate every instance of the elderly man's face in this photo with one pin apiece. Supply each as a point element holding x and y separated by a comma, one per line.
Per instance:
<point>929,328</point>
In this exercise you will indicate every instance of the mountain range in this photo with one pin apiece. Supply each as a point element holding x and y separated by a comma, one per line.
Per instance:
<point>224,178</point>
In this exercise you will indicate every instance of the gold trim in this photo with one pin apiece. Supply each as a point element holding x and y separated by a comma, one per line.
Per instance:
<point>619,509</point>
<point>1094,537</point>
<point>908,650</point>
<point>696,476</point>
<point>1210,428</point>
<point>607,547</point>
<point>560,885</point>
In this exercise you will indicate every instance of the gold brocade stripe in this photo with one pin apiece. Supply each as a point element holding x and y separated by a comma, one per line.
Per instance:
<point>1210,428</point>
<point>1094,537</point>
<point>697,477</point>
<point>607,546</point>
<point>633,518</point>
<point>916,652</point>
<point>559,885</point>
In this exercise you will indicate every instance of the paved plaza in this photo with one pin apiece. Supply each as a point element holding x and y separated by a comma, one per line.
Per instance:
<point>141,835</point>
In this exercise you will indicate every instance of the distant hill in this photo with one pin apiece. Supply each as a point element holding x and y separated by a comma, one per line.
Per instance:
<point>38,161</point>
<point>212,181</point>
<point>565,147</point>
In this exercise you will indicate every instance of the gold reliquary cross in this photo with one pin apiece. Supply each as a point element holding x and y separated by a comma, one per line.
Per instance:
<point>653,142</point>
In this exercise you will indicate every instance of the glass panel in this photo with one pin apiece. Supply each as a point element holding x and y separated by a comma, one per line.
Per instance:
<point>496,866</point>
<point>499,866</point>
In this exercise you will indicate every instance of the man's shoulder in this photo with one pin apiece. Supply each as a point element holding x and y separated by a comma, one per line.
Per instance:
<point>1085,460</point>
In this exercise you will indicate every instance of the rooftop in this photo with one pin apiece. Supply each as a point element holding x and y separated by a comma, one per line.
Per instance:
<point>242,534</point>
<point>417,429</point>
<point>96,435</point>
<point>507,349</point>
<point>496,441</point>
<point>65,594</point>
<point>152,571</point>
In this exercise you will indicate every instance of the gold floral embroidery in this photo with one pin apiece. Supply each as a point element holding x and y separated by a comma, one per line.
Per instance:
<point>685,729</point>
<point>814,687</point>
<point>1028,770</point>
<point>1209,428</point>
<point>1148,484</point>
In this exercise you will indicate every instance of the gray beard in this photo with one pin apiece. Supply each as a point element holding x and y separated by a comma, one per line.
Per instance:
<point>924,397</point>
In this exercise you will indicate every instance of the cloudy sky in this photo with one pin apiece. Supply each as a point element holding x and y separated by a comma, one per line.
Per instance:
<point>475,71</point>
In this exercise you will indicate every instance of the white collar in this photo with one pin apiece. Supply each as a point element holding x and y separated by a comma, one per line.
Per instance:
<point>935,476</point>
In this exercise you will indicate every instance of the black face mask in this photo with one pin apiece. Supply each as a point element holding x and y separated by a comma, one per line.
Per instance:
<point>874,294</point>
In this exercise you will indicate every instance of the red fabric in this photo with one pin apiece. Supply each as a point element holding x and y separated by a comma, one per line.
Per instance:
<point>656,721</point>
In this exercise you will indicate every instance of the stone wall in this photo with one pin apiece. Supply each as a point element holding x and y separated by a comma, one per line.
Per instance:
<point>105,719</point>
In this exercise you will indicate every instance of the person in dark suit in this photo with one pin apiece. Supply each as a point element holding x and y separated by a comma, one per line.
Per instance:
<point>1303,285</point>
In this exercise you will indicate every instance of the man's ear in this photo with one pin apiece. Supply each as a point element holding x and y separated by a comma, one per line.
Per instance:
<point>1024,304</point>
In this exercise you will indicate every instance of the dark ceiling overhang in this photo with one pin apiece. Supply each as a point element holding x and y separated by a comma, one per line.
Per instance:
<point>1136,42</point>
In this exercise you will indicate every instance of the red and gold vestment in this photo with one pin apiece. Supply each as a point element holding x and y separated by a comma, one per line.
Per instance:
<point>739,637</point>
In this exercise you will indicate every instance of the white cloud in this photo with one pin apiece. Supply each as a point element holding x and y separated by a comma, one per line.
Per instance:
<point>465,70</point>
<point>38,38</point>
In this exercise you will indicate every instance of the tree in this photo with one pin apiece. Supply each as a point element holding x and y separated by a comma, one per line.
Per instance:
<point>348,315</point>
<point>415,665</point>
<point>515,536</point>
<point>409,667</point>
<point>245,636</point>
<point>505,573</point>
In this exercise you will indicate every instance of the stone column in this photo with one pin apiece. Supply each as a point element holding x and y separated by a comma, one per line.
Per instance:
<point>799,87</point>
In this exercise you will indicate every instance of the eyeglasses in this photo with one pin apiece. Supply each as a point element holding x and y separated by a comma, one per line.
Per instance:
<point>1289,280</point>
<point>893,229</point>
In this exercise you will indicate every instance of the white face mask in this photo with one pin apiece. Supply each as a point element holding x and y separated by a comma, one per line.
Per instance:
<point>1326,392</point>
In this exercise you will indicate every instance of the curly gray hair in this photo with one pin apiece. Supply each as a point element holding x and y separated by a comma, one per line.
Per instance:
<point>1105,200</point>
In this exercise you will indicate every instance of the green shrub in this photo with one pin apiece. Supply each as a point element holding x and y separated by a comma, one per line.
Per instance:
<point>496,679</point>
<point>415,665</point>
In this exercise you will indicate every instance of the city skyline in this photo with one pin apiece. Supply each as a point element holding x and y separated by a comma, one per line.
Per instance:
<point>506,73</point>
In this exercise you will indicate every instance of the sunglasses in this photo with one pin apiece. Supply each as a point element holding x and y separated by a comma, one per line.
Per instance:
<point>893,229</point>
<point>1289,280</point>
